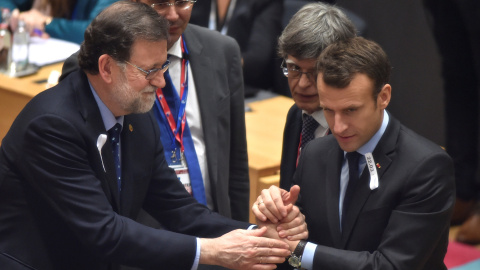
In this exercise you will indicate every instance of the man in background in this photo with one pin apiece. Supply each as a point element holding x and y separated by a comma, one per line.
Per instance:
<point>310,30</point>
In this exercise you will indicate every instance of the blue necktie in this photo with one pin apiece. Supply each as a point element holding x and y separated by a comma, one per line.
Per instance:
<point>114,134</point>
<point>352,158</point>
<point>173,101</point>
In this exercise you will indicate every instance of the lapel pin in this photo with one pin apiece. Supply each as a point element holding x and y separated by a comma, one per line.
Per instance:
<point>130,127</point>
<point>378,165</point>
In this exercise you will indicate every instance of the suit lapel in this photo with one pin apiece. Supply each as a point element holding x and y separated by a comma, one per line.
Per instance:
<point>203,74</point>
<point>333,191</point>
<point>88,108</point>
<point>382,155</point>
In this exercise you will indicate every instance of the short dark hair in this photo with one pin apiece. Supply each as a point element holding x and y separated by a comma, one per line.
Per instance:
<point>342,60</point>
<point>115,30</point>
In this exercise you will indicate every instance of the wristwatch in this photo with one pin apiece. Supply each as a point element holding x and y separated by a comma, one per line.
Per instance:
<point>295,259</point>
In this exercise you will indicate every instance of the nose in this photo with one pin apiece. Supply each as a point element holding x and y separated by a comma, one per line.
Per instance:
<point>339,125</point>
<point>304,81</point>
<point>158,80</point>
<point>170,13</point>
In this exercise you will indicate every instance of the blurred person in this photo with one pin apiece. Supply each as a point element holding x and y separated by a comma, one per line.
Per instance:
<point>62,19</point>
<point>207,93</point>
<point>310,30</point>
<point>69,192</point>
<point>456,28</point>
<point>255,25</point>
<point>375,195</point>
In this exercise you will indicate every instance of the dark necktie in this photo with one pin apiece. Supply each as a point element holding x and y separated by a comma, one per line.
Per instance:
<point>114,134</point>
<point>309,125</point>
<point>352,158</point>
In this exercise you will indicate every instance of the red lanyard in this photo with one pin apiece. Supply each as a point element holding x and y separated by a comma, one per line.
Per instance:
<point>174,126</point>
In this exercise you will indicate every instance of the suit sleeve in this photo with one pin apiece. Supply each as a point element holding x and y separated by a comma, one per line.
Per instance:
<point>57,165</point>
<point>169,203</point>
<point>239,185</point>
<point>417,224</point>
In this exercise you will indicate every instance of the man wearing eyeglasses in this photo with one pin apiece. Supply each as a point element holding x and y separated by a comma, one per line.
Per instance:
<point>310,30</point>
<point>83,157</point>
<point>210,144</point>
<point>204,139</point>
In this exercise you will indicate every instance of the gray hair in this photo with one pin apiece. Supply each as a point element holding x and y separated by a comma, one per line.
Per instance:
<point>312,29</point>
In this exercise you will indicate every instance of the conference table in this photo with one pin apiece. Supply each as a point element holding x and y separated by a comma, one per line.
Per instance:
<point>264,124</point>
<point>15,93</point>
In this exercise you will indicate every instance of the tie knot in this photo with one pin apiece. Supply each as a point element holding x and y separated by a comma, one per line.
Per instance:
<point>352,158</point>
<point>114,132</point>
<point>308,121</point>
<point>309,125</point>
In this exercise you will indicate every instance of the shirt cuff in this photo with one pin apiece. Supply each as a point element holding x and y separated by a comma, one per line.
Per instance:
<point>197,255</point>
<point>308,254</point>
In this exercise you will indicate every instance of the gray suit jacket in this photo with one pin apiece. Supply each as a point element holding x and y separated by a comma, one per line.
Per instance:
<point>216,65</point>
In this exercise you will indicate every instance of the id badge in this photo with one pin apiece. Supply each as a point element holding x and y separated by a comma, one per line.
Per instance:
<point>183,176</point>
<point>175,157</point>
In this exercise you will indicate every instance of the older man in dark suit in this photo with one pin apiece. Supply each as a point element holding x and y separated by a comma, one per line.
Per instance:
<point>376,195</point>
<point>311,29</point>
<point>213,145</point>
<point>69,192</point>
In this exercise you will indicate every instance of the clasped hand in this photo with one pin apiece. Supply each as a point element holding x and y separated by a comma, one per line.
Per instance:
<point>281,226</point>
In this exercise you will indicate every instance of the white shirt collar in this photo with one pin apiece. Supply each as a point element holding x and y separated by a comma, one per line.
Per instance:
<point>176,49</point>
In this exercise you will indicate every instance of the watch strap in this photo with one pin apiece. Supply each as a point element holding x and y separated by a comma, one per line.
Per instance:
<point>300,248</point>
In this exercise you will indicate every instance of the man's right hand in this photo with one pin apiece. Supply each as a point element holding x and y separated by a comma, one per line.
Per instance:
<point>242,249</point>
<point>274,203</point>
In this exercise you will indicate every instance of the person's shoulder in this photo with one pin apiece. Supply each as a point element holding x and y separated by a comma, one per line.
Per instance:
<point>415,146</point>
<point>206,35</point>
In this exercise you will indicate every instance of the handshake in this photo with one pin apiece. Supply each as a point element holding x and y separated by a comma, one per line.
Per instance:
<point>280,227</point>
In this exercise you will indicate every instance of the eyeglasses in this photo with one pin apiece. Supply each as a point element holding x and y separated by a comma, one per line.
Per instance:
<point>149,74</point>
<point>292,72</point>
<point>163,7</point>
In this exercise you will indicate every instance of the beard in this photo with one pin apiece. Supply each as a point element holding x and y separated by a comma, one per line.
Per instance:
<point>132,101</point>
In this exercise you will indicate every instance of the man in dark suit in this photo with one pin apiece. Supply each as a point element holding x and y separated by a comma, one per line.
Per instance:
<point>255,25</point>
<point>214,111</point>
<point>388,209</point>
<point>69,192</point>
<point>309,31</point>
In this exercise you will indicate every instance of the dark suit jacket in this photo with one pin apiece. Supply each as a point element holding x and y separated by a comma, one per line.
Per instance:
<point>215,63</point>
<point>255,25</point>
<point>59,209</point>
<point>403,224</point>
<point>291,140</point>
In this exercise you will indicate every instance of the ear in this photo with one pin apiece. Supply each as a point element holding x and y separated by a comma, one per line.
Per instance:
<point>384,96</point>
<point>105,65</point>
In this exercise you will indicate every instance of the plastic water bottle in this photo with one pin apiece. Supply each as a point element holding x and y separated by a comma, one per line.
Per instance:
<point>21,41</point>
<point>5,42</point>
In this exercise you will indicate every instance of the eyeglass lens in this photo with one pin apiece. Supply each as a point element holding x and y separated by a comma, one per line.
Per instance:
<point>164,6</point>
